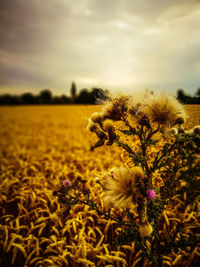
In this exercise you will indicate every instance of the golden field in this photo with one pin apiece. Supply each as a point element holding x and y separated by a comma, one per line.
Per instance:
<point>40,147</point>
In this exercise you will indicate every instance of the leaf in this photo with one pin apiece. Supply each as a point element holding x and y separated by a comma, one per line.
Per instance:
<point>151,142</point>
<point>132,131</point>
<point>125,146</point>
<point>137,158</point>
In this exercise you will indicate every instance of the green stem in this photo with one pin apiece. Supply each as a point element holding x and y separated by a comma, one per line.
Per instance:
<point>100,211</point>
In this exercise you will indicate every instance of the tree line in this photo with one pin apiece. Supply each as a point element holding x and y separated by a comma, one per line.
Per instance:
<point>85,96</point>
<point>187,99</point>
<point>45,97</point>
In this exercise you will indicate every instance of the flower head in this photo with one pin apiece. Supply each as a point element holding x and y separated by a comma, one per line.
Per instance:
<point>66,183</point>
<point>151,194</point>
<point>165,110</point>
<point>96,117</point>
<point>122,187</point>
<point>113,109</point>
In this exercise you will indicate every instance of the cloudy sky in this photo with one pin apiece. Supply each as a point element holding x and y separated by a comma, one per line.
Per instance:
<point>122,45</point>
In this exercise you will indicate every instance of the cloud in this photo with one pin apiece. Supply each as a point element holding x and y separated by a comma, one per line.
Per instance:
<point>111,44</point>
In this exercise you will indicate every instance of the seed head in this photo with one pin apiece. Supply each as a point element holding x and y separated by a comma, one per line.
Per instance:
<point>113,109</point>
<point>165,110</point>
<point>121,187</point>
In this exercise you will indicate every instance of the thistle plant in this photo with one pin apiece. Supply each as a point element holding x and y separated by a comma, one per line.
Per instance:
<point>160,160</point>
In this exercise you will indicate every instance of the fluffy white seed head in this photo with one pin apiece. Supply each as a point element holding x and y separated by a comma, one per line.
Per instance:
<point>121,187</point>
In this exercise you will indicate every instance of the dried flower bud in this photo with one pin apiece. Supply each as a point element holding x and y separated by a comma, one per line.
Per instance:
<point>66,183</point>
<point>181,129</point>
<point>91,126</point>
<point>151,194</point>
<point>108,124</point>
<point>96,117</point>
<point>144,120</point>
<point>145,229</point>
<point>173,131</point>
<point>180,120</point>
<point>196,130</point>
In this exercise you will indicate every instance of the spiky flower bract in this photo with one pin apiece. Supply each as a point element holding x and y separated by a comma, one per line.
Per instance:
<point>108,125</point>
<point>145,229</point>
<point>91,126</point>
<point>122,187</point>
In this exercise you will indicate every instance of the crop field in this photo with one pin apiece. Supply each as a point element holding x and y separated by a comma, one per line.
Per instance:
<point>40,147</point>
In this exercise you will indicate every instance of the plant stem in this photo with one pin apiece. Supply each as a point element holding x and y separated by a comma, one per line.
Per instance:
<point>101,212</point>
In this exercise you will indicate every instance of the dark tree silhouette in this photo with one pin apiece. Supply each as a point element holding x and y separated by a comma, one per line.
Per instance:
<point>28,98</point>
<point>84,97</point>
<point>7,99</point>
<point>61,100</point>
<point>73,92</point>
<point>181,95</point>
<point>187,99</point>
<point>45,97</point>
<point>198,92</point>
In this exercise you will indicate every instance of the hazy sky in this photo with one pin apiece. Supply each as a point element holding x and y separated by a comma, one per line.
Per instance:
<point>122,45</point>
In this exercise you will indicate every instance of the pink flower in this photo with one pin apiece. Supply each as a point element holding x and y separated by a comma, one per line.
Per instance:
<point>66,183</point>
<point>151,194</point>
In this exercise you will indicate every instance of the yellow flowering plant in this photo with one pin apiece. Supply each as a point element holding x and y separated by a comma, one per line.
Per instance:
<point>160,161</point>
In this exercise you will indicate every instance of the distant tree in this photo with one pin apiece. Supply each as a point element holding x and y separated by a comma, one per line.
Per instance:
<point>181,95</point>
<point>95,96</point>
<point>84,97</point>
<point>61,100</point>
<point>28,98</point>
<point>198,92</point>
<point>73,92</point>
<point>64,99</point>
<point>45,97</point>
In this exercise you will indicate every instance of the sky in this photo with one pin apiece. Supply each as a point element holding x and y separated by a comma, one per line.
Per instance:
<point>119,45</point>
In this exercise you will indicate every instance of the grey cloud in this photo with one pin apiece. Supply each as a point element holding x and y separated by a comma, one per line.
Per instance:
<point>113,43</point>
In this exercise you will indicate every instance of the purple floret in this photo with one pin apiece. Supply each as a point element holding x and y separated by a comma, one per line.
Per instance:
<point>151,194</point>
<point>67,183</point>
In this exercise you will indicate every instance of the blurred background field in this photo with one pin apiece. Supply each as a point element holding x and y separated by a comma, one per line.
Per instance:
<point>40,147</point>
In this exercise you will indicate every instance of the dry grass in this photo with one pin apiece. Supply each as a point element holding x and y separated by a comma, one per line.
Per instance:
<point>39,148</point>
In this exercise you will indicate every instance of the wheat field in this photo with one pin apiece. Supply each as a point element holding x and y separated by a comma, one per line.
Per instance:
<point>40,147</point>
